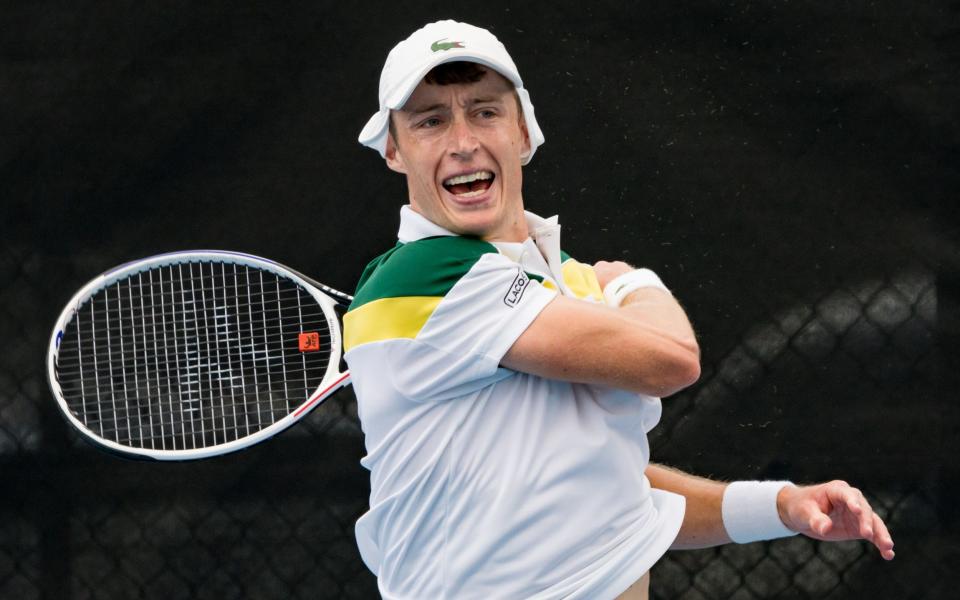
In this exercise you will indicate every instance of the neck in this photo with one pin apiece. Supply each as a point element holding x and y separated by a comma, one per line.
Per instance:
<point>512,229</point>
<point>515,231</point>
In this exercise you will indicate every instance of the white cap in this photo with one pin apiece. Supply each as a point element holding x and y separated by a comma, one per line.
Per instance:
<point>432,45</point>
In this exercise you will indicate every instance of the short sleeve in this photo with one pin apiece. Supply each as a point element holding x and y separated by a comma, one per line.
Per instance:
<point>460,347</point>
<point>487,310</point>
<point>433,341</point>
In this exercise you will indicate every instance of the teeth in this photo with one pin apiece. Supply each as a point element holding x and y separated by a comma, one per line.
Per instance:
<point>470,194</point>
<point>468,178</point>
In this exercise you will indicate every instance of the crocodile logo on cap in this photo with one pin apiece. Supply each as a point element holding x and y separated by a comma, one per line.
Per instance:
<point>440,45</point>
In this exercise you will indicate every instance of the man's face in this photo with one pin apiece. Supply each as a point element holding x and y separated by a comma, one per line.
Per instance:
<point>460,146</point>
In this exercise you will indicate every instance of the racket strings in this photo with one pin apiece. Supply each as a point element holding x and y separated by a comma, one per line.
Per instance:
<point>225,377</point>
<point>214,347</point>
<point>271,316</point>
<point>242,346</point>
<point>194,421</point>
<point>72,364</point>
<point>187,305</point>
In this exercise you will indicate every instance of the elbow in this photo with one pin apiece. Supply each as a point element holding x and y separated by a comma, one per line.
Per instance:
<point>681,371</point>
<point>689,373</point>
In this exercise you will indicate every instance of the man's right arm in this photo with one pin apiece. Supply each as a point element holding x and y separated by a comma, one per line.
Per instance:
<point>646,345</point>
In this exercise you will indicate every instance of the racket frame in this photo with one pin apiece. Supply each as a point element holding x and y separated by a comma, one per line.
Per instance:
<point>332,380</point>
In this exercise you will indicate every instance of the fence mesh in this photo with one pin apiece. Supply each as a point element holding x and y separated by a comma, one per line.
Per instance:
<point>276,521</point>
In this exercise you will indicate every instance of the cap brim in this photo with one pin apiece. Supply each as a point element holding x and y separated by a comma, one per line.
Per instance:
<point>374,133</point>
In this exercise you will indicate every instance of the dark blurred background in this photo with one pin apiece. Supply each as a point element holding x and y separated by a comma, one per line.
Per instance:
<point>791,169</point>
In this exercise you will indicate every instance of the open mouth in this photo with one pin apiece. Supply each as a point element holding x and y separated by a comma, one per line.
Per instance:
<point>470,184</point>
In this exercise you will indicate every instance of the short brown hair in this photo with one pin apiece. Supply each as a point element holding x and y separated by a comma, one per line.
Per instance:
<point>452,73</point>
<point>455,72</point>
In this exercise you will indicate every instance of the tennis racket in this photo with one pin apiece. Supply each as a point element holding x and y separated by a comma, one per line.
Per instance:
<point>193,354</point>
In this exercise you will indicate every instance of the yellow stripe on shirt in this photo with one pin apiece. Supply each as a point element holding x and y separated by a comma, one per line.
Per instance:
<point>581,280</point>
<point>387,318</point>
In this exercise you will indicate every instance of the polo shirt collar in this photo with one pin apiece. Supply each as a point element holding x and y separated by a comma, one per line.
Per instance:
<point>544,240</point>
<point>414,226</point>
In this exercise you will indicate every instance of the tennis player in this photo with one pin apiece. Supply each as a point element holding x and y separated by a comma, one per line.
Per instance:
<point>505,389</point>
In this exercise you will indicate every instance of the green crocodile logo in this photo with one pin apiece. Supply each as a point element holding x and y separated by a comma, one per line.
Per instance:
<point>439,45</point>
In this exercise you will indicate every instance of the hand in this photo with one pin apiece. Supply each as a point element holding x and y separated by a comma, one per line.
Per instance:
<point>832,512</point>
<point>608,271</point>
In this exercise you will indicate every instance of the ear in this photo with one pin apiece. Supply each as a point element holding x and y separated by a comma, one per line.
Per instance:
<point>525,144</point>
<point>393,156</point>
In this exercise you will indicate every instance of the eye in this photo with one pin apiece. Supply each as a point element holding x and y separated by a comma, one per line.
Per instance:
<point>487,113</point>
<point>429,123</point>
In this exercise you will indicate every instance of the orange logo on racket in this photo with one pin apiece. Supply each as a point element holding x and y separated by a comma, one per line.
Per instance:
<point>309,341</point>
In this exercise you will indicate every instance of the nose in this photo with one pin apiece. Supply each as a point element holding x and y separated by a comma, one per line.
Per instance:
<point>463,140</point>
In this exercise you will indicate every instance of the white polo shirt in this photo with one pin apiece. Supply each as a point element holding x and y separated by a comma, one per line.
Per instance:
<point>488,482</point>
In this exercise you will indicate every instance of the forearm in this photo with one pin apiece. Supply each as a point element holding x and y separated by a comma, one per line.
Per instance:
<point>645,304</point>
<point>702,521</point>
<point>643,342</point>
<point>572,340</point>
<point>832,511</point>
<point>655,311</point>
<point>659,309</point>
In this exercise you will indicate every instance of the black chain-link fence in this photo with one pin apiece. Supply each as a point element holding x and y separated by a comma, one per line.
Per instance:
<point>876,338</point>
<point>790,169</point>
<point>276,521</point>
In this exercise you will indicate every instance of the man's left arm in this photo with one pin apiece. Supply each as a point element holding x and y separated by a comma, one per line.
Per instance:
<point>832,511</point>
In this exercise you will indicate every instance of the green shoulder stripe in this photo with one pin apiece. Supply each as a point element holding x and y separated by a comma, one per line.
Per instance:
<point>427,267</point>
<point>400,289</point>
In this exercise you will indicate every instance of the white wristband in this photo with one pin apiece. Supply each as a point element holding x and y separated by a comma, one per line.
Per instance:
<point>615,291</point>
<point>750,513</point>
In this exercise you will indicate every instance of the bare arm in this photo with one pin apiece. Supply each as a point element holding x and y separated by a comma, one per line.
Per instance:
<point>832,511</point>
<point>702,521</point>
<point>646,345</point>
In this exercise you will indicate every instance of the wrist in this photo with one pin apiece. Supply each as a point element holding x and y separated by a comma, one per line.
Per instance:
<point>621,286</point>
<point>750,511</point>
